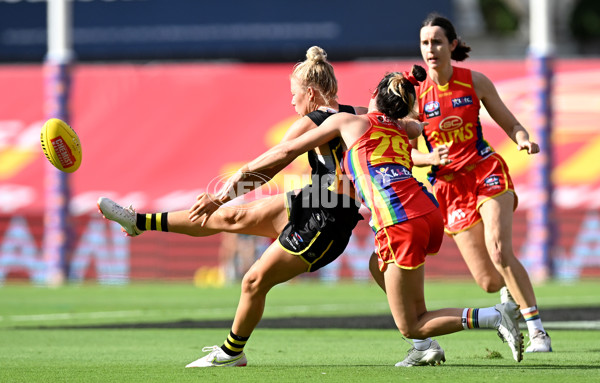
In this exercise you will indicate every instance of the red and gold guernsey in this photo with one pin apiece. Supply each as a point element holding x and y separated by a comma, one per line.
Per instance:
<point>379,165</point>
<point>452,112</point>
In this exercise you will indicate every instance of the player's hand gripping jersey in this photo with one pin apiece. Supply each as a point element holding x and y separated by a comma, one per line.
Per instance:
<point>327,167</point>
<point>452,112</point>
<point>379,165</point>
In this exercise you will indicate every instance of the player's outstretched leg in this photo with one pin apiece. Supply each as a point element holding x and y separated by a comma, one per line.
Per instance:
<point>124,216</point>
<point>218,358</point>
<point>432,356</point>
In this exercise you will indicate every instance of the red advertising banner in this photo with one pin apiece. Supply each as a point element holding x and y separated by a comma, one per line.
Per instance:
<point>156,135</point>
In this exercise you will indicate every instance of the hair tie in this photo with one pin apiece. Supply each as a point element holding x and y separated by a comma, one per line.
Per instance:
<point>411,78</point>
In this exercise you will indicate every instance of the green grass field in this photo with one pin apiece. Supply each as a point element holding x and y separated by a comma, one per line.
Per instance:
<point>31,352</point>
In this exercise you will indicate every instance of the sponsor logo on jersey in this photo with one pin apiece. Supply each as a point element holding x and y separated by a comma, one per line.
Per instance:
<point>492,181</point>
<point>293,245</point>
<point>451,123</point>
<point>297,237</point>
<point>462,101</point>
<point>294,241</point>
<point>385,176</point>
<point>432,109</point>
<point>382,176</point>
<point>485,151</point>
<point>455,216</point>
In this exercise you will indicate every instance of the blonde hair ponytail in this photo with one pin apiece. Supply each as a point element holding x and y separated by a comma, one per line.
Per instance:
<point>318,73</point>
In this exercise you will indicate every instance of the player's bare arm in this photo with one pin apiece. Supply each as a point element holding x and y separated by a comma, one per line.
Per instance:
<point>438,156</point>
<point>207,203</point>
<point>413,127</point>
<point>277,157</point>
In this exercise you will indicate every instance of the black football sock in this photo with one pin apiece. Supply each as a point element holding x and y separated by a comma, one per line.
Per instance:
<point>157,222</point>
<point>234,344</point>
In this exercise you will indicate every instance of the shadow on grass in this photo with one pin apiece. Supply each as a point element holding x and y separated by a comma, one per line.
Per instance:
<point>526,366</point>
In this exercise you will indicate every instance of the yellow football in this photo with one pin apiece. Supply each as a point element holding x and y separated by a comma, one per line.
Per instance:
<point>61,145</point>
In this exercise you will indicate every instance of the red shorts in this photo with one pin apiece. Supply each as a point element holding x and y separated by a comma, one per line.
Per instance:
<point>461,194</point>
<point>407,243</point>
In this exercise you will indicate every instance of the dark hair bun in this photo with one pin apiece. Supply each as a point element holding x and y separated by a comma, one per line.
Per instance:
<point>419,73</point>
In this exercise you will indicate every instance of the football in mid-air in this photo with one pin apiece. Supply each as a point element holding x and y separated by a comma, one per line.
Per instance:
<point>61,145</point>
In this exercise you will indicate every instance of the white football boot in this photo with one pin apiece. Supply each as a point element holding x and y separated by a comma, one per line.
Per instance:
<point>218,358</point>
<point>539,342</point>
<point>508,328</point>
<point>434,355</point>
<point>124,216</point>
<point>505,295</point>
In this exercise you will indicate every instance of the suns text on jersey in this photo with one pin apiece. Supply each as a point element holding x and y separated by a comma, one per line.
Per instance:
<point>452,129</point>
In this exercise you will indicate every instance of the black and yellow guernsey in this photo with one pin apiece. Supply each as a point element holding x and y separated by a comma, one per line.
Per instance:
<point>327,167</point>
<point>321,220</point>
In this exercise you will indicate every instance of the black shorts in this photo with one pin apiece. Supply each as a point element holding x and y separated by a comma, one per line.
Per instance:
<point>318,234</point>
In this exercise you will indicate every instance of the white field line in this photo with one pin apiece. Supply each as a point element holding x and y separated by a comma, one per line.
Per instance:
<point>214,313</point>
<point>67,316</point>
<point>208,312</point>
<point>568,325</point>
<point>572,325</point>
<point>104,315</point>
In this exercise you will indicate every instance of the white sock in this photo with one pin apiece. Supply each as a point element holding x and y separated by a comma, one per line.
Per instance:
<point>487,317</point>
<point>532,319</point>
<point>422,344</point>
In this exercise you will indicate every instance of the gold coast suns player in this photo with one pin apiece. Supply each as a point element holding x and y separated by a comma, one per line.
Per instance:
<point>470,180</point>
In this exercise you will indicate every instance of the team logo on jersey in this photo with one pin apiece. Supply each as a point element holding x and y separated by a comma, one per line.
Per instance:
<point>462,101</point>
<point>492,181</point>
<point>432,109</point>
<point>451,123</point>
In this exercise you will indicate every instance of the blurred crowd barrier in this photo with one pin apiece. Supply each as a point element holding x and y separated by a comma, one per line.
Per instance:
<point>269,30</point>
<point>155,136</point>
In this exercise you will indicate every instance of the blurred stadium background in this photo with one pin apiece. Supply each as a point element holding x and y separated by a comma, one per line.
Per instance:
<point>167,95</point>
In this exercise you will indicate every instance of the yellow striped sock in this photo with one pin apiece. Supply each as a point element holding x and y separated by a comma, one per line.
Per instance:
<point>154,221</point>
